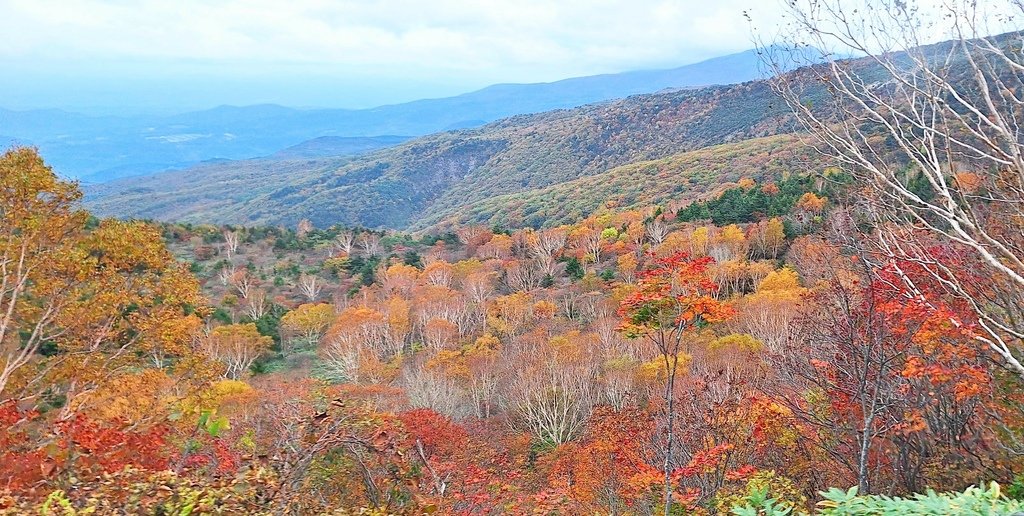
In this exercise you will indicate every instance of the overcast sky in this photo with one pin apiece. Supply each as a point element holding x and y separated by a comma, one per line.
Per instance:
<point>161,56</point>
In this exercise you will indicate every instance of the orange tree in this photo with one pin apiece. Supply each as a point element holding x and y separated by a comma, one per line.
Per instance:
<point>673,299</point>
<point>89,311</point>
<point>81,301</point>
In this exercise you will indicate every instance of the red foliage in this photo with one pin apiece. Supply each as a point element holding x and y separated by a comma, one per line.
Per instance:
<point>674,290</point>
<point>81,444</point>
<point>97,447</point>
<point>438,434</point>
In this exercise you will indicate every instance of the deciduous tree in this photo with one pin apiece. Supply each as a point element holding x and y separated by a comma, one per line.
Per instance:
<point>237,346</point>
<point>673,297</point>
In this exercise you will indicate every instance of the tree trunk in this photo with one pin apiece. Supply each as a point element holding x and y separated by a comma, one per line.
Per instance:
<point>670,408</point>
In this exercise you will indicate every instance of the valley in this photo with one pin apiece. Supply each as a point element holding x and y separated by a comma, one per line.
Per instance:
<point>780,282</point>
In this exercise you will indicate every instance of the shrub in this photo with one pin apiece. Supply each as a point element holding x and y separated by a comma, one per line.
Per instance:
<point>973,500</point>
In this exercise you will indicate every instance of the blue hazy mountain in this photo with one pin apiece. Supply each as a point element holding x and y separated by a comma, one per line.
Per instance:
<point>101,148</point>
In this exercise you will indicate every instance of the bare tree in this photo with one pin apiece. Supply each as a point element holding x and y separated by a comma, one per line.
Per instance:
<point>588,239</point>
<point>948,115</point>
<point>657,230</point>
<point>370,243</point>
<point>231,242</point>
<point>310,286</point>
<point>432,390</point>
<point>243,282</point>
<point>256,305</point>
<point>236,346</point>
<point>439,274</point>
<point>345,241</point>
<point>553,400</point>
<point>548,242</point>
<point>523,276</point>
<point>303,228</point>
<point>226,274</point>
<point>478,287</point>
<point>472,235</point>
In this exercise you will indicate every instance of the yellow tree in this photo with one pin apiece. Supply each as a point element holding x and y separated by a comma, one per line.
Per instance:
<point>767,237</point>
<point>237,346</point>
<point>308,321</point>
<point>358,341</point>
<point>81,303</point>
<point>769,313</point>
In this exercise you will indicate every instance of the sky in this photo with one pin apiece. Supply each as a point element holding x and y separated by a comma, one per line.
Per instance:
<point>147,56</point>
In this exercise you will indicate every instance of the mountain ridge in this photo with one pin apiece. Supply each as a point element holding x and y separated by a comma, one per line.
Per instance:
<point>104,148</point>
<point>441,173</point>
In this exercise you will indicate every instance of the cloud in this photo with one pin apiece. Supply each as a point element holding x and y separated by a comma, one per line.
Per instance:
<point>541,38</point>
<point>172,55</point>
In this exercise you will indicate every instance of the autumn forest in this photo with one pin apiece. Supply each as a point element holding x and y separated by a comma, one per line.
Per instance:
<point>833,325</point>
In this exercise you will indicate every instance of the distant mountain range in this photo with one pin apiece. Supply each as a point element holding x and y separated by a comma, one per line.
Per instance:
<point>102,148</point>
<point>461,175</point>
<point>528,170</point>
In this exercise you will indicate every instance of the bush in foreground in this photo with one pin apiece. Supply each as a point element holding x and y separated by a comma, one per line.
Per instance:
<point>973,500</point>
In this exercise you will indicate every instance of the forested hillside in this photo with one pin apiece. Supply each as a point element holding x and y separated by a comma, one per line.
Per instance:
<point>794,297</point>
<point>490,172</point>
<point>674,181</point>
<point>314,369</point>
<point>439,175</point>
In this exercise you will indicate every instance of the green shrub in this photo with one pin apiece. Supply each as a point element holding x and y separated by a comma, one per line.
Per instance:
<point>765,491</point>
<point>973,500</point>
<point>134,491</point>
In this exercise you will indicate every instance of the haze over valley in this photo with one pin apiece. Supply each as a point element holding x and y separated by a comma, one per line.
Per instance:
<point>101,148</point>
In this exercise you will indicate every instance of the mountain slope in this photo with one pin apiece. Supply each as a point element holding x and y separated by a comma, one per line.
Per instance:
<point>676,179</point>
<point>105,148</point>
<point>431,178</point>
<point>327,146</point>
<point>208,189</point>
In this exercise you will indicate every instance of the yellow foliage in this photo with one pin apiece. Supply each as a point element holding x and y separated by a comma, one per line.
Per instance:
<point>246,331</point>
<point>509,314</point>
<point>699,241</point>
<point>402,270</point>
<point>224,389</point>
<point>732,234</point>
<point>336,264</point>
<point>398,317</point>
<point>619,292</point>
<point>781,279</point>
<point>544,309</point>
<point>218,398</point>
<point>811,202</point>
<point>456,363</point>
<point>310,319</point>
<point>132,398</point>
<point>486,342</point>
<point>674,242</point>
<point>741,341</point>
<point>109,299</point>
<point>464,268</point>
<point>570,346</point>
<point>656,370</point>
<point>626,265</point>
